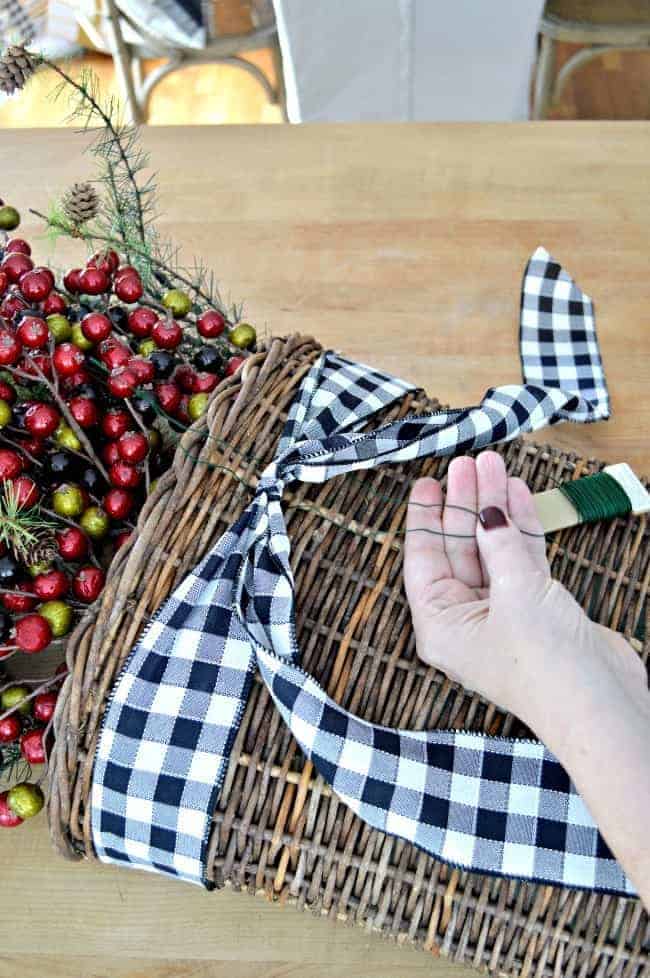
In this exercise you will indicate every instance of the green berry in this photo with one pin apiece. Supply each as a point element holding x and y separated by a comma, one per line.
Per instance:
<point>25,800</point>
<point>5,413</point>
<point>59,327</point>
<point>146,347</point>
<point>196,406</point>
<point>95,523</point>
<point>15,694</point>
<point>9,218</point>
<point>242,336</point>
<point>68,500</point>
<point>177,302</point>
<point>41,568</point>
<point>59,615</point>
<point>66,438</point>
<point>77,337</point>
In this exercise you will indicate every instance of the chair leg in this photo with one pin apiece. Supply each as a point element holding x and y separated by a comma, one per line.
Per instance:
<point>544,77</point>
<point>280,93</point>
<point>123,62</point>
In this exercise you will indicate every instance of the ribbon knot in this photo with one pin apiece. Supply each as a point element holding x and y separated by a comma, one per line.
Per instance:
<point>484,803</point>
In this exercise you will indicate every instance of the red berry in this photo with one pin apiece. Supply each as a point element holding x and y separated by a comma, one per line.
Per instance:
<point>141,320</point>
<point>110,453</point>
<point>50,586</point>
<point>33,332</point>
<point>72,543</point>
<point>121,539</point>
<point>33,633</point>
<point>87,583</point>
<point>100,262</point>
<point>211,324</point>
<point>233,365</point>
<point>10,348</point>
<point>76,379</point>
<point>42,420</point>
<point>185,377</point>
<point>125,272</point>
<point>49,274</point>
<point>44,704</point>
<point>204,383</point>
<point>36,362</point>
<point>115,423</point>
<point>35,446</point>
<point>72,280</point>
<point>32,746</point>
<point>123,476</point>
<point>122,382</point>
<point>182,412</point>
<point>16,265</point>
<point>20,603</point>
<point>167,334</point>
<point>35,286</point>
<point>8,818</point>
<point>55,303</point>
<point>4,282</point>
<point>84,411</point>
<point>67,359</point>
<point>12,304</point>
<point>11,464</point>
<point>94,281</point>
<point>133,447</point>
<point>26,491</point>
<point>169,396</point>
<point>118,503</point>
<point>96,327</point>
<point>9,729</point>
<point>143,369</point>
<point>19,245</point>
<point>114,354</point>
<point>7,392</point>
<point>109,259</point>
<point>128,288</point>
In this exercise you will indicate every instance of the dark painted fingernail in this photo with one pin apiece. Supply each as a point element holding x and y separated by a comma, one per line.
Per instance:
<point>491,517</point>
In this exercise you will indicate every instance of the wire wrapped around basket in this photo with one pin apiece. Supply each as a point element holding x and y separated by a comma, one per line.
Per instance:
<point>277,827</point>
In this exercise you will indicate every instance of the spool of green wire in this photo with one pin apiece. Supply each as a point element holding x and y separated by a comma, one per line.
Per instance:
<point>597,497</point>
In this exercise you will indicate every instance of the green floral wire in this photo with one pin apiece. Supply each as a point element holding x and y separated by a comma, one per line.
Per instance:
<point>225,446</point>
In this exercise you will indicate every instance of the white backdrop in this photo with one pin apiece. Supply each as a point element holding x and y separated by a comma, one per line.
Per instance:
<point>385,60</point>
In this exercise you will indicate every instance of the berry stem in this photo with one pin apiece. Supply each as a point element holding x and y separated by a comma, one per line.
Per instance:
<point>108,122</point>
<point>26,699</point>
<point>67,414</point>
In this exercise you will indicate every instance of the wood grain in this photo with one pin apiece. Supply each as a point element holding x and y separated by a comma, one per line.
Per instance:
<point>404,247</point>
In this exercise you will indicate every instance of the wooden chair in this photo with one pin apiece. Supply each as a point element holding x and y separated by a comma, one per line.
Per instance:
<point>599,25</point>
<point>130,43</point>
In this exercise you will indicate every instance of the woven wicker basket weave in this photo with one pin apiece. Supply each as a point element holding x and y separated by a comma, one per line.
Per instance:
<point>278,829</point>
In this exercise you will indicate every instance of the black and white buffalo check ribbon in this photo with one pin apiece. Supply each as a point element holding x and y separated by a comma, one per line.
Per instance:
<point>484,803</point>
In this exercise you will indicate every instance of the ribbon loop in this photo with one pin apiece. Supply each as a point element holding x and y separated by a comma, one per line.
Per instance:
<point>484,803</point>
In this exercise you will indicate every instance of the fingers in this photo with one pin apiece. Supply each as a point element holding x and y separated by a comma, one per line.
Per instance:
<point>500,543</point>
<point>524,515</point>
<point>459,522</point>
<point>425,560</point>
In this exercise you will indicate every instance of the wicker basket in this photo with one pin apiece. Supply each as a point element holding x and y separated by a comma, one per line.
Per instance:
<point>278,829</point>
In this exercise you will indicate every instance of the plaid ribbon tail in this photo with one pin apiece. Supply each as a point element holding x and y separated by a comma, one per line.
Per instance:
<point>489,804</point>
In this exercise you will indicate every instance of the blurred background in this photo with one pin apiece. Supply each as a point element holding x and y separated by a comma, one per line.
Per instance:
<point>271,61</point>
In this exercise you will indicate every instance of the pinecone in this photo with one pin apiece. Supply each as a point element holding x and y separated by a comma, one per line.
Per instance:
<point>16,66</point>
<point>42,551</point>
<point>81,203</point>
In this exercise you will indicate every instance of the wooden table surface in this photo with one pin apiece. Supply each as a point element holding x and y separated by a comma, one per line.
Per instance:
<point>402,246</point>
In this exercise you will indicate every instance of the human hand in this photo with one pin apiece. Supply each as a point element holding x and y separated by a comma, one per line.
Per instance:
<point>485,609</point>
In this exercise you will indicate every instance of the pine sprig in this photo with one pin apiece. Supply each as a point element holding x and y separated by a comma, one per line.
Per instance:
<point>21,528</point>
<point>13,766</point>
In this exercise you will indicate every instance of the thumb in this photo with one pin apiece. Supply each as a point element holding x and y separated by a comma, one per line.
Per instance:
<point>501,545</point>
